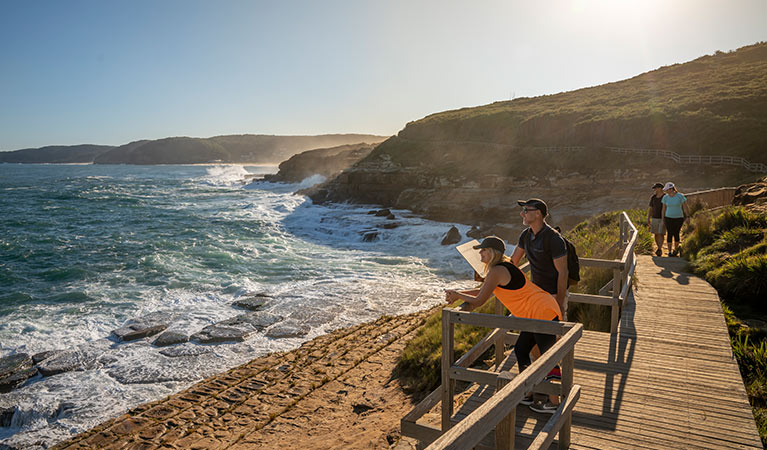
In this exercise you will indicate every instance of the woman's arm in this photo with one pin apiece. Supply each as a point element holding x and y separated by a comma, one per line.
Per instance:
<point>492,280</point>
<point>663,213</point>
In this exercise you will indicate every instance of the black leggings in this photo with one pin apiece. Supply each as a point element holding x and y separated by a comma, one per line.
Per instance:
<point>673,226</point>
<point>527,341</point>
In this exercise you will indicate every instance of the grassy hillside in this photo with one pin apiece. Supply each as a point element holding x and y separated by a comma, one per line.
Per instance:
<point>715,104</point>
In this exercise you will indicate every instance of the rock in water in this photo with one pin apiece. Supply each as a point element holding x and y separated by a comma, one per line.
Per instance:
<point>370,236</point>
<point>253,303</point>
<point>474,233</point>
<point>288,329</point>
<point>42,356</point>
<point>84,357</point>
<point>170,338</point>
<point>453,236</point>
<point>148,325</point>
<point>176,352</point>
<point>14,370</point>
<point>383,212</point>
<point>237,328</point>
<point>6,416</point>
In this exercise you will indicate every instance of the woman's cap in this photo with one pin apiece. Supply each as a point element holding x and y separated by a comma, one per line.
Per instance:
<point>657,185</point>
<point>668,186</point>
<point>493,242</point>
<point>535,203</point>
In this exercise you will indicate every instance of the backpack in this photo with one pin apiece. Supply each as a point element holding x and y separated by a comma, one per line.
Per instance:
<point>573,265</point>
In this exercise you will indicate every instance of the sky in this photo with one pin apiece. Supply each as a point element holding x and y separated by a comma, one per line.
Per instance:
<point>111,72</point>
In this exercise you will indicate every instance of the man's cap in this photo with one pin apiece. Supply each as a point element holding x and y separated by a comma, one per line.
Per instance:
<point>668,186</point>
<point>493,242</point>
<point>657,185</point>
<point>535,203</point>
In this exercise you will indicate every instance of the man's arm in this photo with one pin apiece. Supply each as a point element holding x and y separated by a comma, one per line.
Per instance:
<point>561,266</point>
<point>519,252</point>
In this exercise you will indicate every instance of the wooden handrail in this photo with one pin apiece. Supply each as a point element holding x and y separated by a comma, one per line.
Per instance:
<point>471,430</point>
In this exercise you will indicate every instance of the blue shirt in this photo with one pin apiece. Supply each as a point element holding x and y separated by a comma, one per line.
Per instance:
<point>674,205</point>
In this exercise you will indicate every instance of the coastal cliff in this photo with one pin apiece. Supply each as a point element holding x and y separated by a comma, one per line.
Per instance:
<point>327,162</point>
<point>470,165</point>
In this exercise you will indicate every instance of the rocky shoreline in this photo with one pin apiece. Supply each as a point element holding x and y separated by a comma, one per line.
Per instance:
<point>336,391</point>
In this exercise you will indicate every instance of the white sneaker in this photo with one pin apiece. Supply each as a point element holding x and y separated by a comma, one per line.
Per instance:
<point>544,407</point>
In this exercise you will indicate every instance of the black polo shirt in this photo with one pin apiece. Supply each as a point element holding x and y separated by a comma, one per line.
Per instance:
<point>542,270</point>
<point>657,207</point>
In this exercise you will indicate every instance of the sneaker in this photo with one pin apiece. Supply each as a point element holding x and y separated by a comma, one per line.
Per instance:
<point>544,407</point>
<point>554,374</point>
<point>527,400</point>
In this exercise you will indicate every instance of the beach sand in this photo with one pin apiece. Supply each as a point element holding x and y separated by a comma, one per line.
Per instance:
<point>336,391</point>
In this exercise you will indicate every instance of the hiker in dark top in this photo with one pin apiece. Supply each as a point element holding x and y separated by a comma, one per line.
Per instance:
<point>545,249</point>
<point>655,217</point>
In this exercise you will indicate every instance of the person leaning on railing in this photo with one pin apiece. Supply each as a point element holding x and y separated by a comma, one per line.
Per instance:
<point>522,298</point>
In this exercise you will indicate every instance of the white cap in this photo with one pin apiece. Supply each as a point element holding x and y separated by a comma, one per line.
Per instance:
<point>668,186</point>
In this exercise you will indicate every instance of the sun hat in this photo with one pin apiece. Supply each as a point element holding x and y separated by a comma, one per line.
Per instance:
<point>668,186</point>
<point>493,242</point>
<point>535,203</point>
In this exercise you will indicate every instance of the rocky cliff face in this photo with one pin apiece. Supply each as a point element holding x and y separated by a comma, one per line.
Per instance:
<point>489,200</point>
<point>327,162</point>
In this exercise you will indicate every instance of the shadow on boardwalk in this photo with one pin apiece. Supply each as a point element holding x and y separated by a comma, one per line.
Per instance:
<point>667,379</point>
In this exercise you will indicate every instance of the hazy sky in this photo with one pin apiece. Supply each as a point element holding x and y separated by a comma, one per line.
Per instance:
<point>110,72</point>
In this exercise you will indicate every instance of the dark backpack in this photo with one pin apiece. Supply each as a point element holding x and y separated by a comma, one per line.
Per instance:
<point>573,265</point>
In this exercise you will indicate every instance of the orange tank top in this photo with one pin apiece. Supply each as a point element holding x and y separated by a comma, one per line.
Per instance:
<point>529,301</point>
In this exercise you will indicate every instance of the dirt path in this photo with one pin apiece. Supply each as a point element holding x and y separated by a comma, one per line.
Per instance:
<point>335,391</point>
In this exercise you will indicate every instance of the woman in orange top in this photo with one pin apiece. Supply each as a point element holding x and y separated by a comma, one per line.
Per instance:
<point>520,296</point>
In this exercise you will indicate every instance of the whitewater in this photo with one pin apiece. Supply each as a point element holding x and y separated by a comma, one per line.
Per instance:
<point>85,249</point>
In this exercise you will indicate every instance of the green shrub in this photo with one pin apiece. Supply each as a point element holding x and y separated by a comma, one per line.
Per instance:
<point>742,277</point>
<point>419,365</point>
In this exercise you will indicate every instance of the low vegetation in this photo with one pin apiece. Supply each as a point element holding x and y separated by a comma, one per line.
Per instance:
<point>419,364</point>
<point>728,248</point>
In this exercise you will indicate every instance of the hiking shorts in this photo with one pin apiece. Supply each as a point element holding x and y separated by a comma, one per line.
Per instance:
<point>656,226</point>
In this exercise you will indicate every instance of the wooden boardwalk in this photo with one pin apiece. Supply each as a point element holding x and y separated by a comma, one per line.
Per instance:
<point>666,380</point>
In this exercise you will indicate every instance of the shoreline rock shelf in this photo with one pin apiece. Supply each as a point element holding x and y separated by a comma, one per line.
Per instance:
<point>338,381</point>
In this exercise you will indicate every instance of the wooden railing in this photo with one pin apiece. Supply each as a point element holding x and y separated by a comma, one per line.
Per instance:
<point>499,411</point>
<point>717,160</point>
<point>623,270</point>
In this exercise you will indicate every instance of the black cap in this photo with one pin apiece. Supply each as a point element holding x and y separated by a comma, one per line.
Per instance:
<point>535,203</point>
<point>657,185</point>
<point>493,242</point>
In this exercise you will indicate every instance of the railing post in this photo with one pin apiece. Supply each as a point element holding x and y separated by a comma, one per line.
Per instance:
<point>567,384</point>
<point>505,432</point>
<point>614,316</point>
<point>448,357</point>
<point>500,340</point>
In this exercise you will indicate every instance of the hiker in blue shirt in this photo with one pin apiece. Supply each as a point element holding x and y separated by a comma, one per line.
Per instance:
<point>675,212</point>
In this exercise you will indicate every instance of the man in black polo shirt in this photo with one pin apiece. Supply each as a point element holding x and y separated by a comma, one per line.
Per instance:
<point>545,249</point>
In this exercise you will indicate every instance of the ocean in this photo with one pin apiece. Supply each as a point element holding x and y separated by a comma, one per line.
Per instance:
<point>86,248</point>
